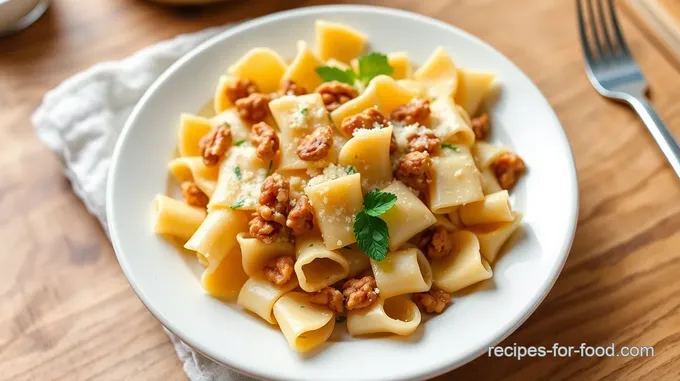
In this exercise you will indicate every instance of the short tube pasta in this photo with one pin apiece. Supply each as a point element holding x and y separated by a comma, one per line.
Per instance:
<point>256,253</point>
<point>175,218</point>
<point>306,326</point>
<point>216,236</point>
<point>396,315</point>
<point>494,208</point>
<point>462,268</point>
<point>225,281</point>
<point>493,236</point>
<point>317,267</point>
<point>193,169</point>
<point>259,295</point>
<point>402,272</point>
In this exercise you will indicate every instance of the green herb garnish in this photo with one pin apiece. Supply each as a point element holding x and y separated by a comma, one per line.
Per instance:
<point>304,110</point>
<point>238,143</point>
<point>269,169</point>
<point>351,170</point>
<point>330,73</point>
<point>238,204</point>
<point>372,65</point>
<point>451,147</point>
<point>377,202</point>
<point>301,306</point>
<point>237,172</point>
<point>370,230</point>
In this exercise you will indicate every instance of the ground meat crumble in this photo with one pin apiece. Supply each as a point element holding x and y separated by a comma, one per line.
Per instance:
<point>264,138</point>
<point>508,167</point>
<point>215,144</point>
<point>335,94</point>
<point>240,88</point>
<point>274,198</point>
<point>192,195</point>
<point>316,145</point>
<point>328,296</point>
<point>416,111</point>
<point>414,170</point>
<point>279,270</point>
<point>433,301</point>
<point>301,216</point>
<point>360,293</point>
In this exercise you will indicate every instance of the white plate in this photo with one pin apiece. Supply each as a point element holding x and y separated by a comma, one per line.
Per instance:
<point>169,286</point>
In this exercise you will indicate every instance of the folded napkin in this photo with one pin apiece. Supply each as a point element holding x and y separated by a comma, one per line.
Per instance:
<point>80,120</point>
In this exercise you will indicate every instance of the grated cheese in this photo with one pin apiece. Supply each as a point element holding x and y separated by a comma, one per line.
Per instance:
<point>332,172</point>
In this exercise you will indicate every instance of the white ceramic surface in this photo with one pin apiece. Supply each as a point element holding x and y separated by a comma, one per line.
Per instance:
<point>168,283</point>
<point>18,14</point>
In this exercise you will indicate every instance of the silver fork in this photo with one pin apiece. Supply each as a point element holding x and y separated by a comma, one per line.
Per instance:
<point>614,74</point>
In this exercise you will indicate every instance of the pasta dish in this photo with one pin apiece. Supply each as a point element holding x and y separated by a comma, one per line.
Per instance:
<point>343,185</point>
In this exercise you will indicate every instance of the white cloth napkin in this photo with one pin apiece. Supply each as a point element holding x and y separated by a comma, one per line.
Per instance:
<point>80,120</point>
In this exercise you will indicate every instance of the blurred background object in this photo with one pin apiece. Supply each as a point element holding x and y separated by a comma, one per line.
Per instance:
<point>660,19</point>
<point>16,15</point>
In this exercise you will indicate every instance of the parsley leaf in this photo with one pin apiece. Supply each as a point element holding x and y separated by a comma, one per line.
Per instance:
<point>269,169</point>
<point>372,65</point>
<point>351,170</point>
<point>304,110</point>
<point>330,73</point>
<point>237,172</point>
<point>238,204</point>
<point>372,235</point>
<point>377,202</point>
<point>238,143</point>
<point>451,147</point>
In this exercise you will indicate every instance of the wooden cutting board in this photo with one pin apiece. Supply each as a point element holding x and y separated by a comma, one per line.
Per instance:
<point>660,20</point>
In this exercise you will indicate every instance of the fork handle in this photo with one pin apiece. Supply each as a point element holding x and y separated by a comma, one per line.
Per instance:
<point>664,138</point>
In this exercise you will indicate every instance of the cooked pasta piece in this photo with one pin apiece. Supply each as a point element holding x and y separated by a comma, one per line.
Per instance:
<point>225,281</point>
<point>401,65</point>
<point>473,88</point>
<point>262,66</point>
<point>335,203</point>
<point>316,266</point>
<point>239,129</point>
<point>440,74</point>
<point>369,153</point>
<point>256,253</point>
<point>216,236</point>
<point>493,208</point>
<point>485,153</point>
<point>489,182</point>
<point>493,236</point>
<point>193,169</point>
<point>192,129</point>
<point>402,272</point>
<point>298,117</point>
<point>390,93</point>
<point>462,268</point>
<point>448,124</point>
<point>358,260</point>
<point>365,100</point>
<point>305,325</point>
<point>454,217</point>
<point>396,315</point>
<point>175,218</point>
<point>408,216</point>
<point>240,179</point>
<point>258,296</point>
<point>303,68</point>
<point>338,41</point>
<point>455,181</point>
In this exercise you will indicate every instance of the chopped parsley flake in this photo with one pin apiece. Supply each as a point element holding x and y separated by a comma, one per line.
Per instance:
<point>238,204</point>
<point>238,143</point>
<point>451,147</point>
<point>237,172</point>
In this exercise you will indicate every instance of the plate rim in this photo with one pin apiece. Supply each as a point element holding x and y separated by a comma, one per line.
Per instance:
<point>444,366</point>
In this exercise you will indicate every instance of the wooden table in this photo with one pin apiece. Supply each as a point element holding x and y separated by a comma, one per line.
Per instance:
<point>67,312</point>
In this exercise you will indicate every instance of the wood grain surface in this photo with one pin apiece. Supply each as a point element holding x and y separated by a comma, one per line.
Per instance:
<point>67,312</point>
